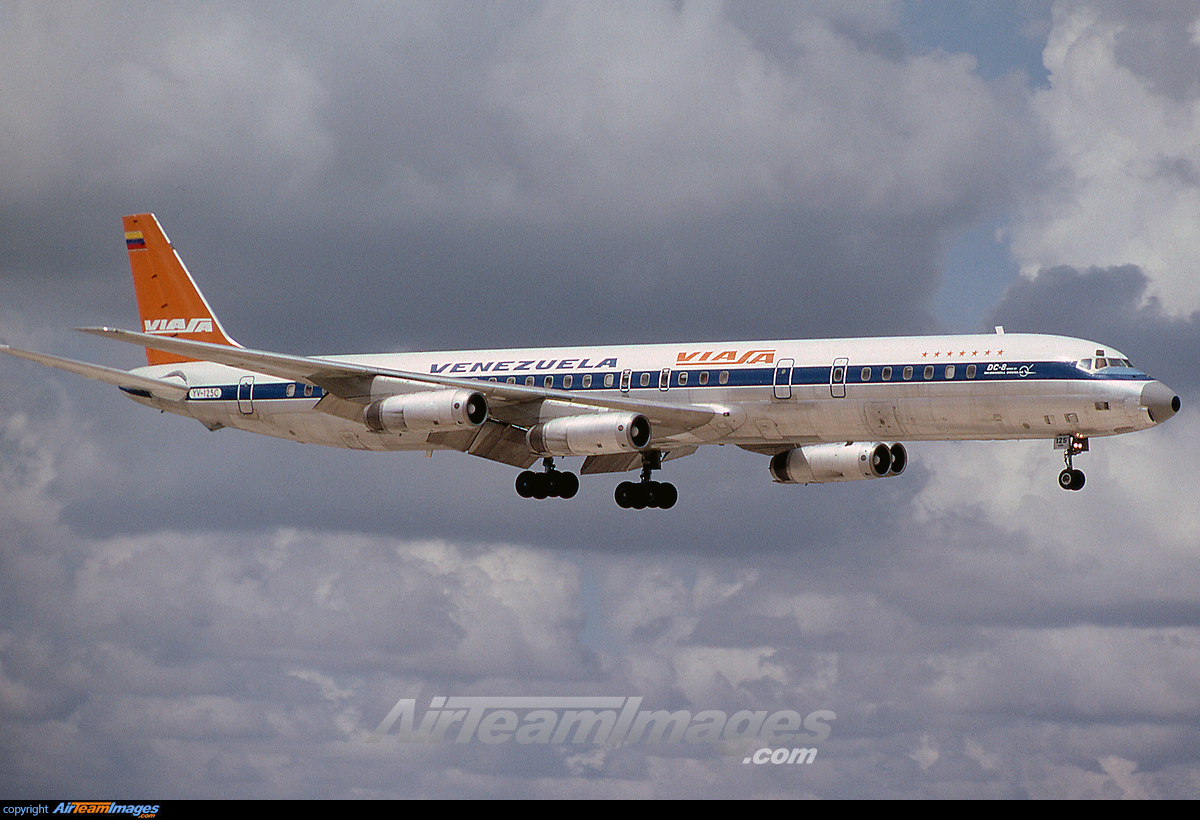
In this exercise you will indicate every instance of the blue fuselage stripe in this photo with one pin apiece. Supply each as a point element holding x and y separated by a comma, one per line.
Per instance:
<point>805,376</point>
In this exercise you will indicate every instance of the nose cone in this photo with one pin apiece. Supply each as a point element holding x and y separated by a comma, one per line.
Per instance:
<point>1160,401</point>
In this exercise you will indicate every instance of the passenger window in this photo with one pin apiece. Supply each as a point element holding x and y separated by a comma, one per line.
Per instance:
<point>887,374</point>
<point>291,390</point>
<point>970,371</point>
<point>866,374</point>
<point>645,380</point>
<point>511,380</point>
<point>587,380</point>
<point>908,373</point>
<point>929,371</point>
<point>724,377</point>
<point>703,377</point>
<point>567,382</point>
<point>529,381</point>
<point>949,371</point>
<point>308,389</point>
<point>548,381</point>
<point>608,379</point>
<point>839,375</point>
<point>682,378</point>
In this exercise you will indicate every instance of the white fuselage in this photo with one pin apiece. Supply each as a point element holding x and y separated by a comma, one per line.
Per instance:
<point>773,393</point>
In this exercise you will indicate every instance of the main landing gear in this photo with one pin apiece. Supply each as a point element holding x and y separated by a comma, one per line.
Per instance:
<point>1070,478</point>
<point>647,493</point>
<point>551,483</point>
<point>548,484</point>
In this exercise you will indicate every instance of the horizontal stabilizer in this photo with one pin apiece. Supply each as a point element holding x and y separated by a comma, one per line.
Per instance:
<point>160,388</point>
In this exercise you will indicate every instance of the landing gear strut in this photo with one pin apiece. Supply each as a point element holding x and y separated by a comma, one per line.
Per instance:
<point>1070,478</point>
<point>647,493</point>
<point>547,484</point>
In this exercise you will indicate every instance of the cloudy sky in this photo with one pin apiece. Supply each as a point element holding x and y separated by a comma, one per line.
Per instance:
<point>195,614</point>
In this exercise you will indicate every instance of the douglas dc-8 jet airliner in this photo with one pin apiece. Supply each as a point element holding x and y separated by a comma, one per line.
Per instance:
<point>821,410</point>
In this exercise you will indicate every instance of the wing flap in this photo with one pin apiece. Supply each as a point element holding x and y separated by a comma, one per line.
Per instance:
<point>500,442</point>
<point>624,462</point>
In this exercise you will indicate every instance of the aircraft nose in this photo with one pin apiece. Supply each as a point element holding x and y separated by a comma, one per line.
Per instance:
<point>1160,401</point>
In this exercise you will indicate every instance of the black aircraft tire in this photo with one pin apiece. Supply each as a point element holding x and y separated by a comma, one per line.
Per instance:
<point>624,494</point>
<point>666,496</point>
<point>566,485</point>
<point>525,484</point>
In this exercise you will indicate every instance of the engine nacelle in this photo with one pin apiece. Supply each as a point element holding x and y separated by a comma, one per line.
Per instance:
<point>821,463</point>
<point>431,410</point>
<point>596,434</point>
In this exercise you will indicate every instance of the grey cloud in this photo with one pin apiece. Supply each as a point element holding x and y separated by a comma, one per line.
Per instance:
<point>1179,169</point>
<point>1108,306</point>
<point>1156,42</point>
<point>434,215</point>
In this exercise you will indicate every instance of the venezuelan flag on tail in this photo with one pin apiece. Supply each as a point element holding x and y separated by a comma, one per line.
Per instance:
<point>168,300</point>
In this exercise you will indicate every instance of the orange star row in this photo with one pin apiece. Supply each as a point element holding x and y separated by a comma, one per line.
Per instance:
<point>937,353</point>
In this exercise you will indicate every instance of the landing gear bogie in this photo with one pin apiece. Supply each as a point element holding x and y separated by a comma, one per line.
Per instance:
<point>639,496</point>
<point>646,493</point>
<point>551,483</point>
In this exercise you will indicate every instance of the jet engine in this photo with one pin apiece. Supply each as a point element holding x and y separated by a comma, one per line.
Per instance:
<point>431,410</point>
<point>821,463</point>
<point>596,434</point>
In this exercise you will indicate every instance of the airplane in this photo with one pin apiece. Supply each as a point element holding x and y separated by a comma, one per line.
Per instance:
<point>821,410</point>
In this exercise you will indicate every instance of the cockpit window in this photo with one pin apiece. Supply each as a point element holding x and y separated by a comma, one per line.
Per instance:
<point>1102,362</point>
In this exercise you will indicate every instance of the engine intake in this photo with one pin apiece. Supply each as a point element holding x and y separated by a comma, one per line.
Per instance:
<point>431,410</point>
<point>823,463</point>
<point>596,434</point>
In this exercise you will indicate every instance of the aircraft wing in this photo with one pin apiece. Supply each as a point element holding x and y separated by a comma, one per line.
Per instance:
<point>350,383</point>
<point>172,391</point>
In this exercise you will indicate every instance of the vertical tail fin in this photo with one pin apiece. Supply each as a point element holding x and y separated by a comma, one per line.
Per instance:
<point>168,300</point>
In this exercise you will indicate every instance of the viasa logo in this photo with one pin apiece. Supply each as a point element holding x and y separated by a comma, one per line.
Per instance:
<point>161,326</point>
<point>725,357</point>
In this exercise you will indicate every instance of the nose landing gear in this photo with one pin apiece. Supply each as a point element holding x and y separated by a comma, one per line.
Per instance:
<point>1070,478</point>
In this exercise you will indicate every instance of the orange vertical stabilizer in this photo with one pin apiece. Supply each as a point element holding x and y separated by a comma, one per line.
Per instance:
<point>169,303</point>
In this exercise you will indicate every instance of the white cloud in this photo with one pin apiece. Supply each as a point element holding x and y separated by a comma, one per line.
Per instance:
<point>1124,181</point>
<point>643,109</point>
<point>926,754</point>
<point>1123,538</point>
